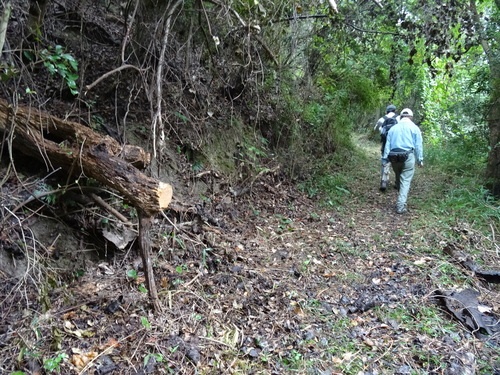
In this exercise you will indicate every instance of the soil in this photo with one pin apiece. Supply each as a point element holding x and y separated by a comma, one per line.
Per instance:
<point>267,282</point>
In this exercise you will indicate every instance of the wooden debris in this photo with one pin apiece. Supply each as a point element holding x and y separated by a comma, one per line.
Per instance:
<point>80,150</point>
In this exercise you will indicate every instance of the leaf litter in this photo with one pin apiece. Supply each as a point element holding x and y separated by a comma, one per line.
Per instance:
<point>266,283</point>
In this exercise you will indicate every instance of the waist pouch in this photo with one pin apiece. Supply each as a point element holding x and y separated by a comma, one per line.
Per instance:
<point>398,156</point>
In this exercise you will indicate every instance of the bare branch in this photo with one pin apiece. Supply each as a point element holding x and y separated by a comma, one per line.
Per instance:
<point>333,5</point>
<point>4,20</point>
<point>110,209</point>
<point>371,31</point>
<point>157,120</point>
<point>301,18</point>
<point>271,55</point>
<point>129,29</point>
<point>106,75</point>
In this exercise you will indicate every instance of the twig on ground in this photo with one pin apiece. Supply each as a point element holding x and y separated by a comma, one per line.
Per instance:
<point>110,209</point>
<point>216,341</point>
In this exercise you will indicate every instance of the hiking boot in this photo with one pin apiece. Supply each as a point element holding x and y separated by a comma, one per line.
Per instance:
<point>402,210</point>
<point>383,186</point>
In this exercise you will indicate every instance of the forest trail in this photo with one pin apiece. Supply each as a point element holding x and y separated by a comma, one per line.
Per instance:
<point>281,285</point>
<point>374,210</point>
<point>272,281</point>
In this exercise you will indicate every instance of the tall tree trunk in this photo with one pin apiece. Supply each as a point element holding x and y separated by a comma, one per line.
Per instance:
<point>493,168</point>
<point>493,56</point>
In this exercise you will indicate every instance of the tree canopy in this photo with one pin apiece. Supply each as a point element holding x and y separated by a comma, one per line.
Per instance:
<point>304,74</point>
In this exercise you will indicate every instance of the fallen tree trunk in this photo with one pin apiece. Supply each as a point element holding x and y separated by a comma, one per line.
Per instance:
<point>77,149</point>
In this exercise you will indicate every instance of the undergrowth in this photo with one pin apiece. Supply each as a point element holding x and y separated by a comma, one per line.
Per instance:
<point>333,176</point>
<point>458,192</point>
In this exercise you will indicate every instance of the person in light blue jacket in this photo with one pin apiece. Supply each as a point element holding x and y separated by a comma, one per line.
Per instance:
<point>403,149</point>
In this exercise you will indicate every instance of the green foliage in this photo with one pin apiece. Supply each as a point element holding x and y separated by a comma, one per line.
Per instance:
<point>181,268</point>
<point>183,118</point>
<point>330,180</point>
<point>78,273</point>
<point>471,201</point>
<point>7,72</point>
<point>59,62</point>
<point>459,194</point>
<point>461,156</point>
<point>454,101</point>
<point>158,357</point>
<point>252,155</point>
<point>176,239</point>
<point>331,187</point>
<point>450,275</point>
<point>54,364</point>
<point>204,257</point>
<point>97,122</point>
<point>132,274</point>
<point>285,224</point>
<point>42,192</point>
<point>310,125</point>
<point>342,79</point>
<point>422,318</point>
<point>293,360</point>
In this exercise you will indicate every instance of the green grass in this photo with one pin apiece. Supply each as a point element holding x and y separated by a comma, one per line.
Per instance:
<point>459,156</point>
<point>455,171</point>
<point>331,186</point>
<point>426,319</point>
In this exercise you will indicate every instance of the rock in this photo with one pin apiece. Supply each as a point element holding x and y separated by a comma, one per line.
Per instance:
<point>236,269</point>
<point>193,355</point>
<point>253,353</point>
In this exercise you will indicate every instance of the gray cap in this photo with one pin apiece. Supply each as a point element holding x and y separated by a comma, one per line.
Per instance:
<point>390,108</point>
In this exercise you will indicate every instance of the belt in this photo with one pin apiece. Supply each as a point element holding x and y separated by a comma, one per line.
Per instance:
<point>401,150</point>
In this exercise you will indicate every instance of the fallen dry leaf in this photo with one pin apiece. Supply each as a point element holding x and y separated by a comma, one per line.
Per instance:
<point>80,360</point>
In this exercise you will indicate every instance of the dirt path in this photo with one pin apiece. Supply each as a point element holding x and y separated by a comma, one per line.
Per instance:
<point>279,286</point>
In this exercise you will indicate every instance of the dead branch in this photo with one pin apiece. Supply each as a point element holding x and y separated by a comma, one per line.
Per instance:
<point>145,222</point>
<point>106,75</point>
<point>110,209</point>
<point>158,126</point>
<point>65,144</point>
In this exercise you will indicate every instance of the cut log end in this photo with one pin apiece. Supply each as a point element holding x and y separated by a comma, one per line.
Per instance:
<point>165,193</point>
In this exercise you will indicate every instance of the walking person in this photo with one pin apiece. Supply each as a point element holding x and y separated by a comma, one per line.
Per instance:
<point>383,125</point>
<point>403,149</point>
